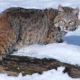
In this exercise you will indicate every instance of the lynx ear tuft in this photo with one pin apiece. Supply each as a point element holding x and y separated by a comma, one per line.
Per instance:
<point>60,9</point>
<point>76,11</point>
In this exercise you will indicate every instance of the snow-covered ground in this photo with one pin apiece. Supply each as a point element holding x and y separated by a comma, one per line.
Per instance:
<point>68,53</point>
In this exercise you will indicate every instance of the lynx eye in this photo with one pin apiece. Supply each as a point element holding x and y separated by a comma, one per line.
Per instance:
<point>71,22</point>
<point>63,21</point>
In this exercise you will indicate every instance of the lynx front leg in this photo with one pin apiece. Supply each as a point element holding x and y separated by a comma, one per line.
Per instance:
<point>7,41</point>
<point>7,37</point>
<point>6,46</point>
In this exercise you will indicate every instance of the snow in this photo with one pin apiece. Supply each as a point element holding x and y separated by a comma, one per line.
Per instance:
<point>61,51</point>
<point>68,53</point>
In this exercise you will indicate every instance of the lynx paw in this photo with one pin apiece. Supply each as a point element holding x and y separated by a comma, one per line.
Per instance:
<point>64,42</point>
<point>18,46</point>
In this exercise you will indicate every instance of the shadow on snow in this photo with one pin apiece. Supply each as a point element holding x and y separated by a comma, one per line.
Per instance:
<point>75,40</point>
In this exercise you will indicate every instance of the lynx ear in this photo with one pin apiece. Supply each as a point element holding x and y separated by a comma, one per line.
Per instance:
<point>75,11</point>
<point>60,9</point>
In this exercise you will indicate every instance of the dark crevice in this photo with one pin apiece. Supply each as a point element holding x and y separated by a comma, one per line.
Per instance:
<point>20,33</point>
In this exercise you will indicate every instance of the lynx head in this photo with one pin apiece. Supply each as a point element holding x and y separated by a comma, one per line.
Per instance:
<point>67,18</point>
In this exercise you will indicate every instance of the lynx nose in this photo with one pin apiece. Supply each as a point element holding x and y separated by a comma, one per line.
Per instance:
<point>66,27</point>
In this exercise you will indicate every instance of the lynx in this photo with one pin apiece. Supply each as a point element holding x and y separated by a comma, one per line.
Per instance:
<point>21,27</point>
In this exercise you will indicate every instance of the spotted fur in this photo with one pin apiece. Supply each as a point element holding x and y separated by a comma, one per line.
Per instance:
<point>21,27</point>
